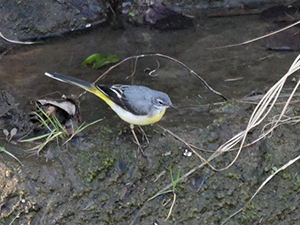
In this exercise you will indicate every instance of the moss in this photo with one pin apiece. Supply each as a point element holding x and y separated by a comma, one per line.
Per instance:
<point>210,218</point>
<point>286,176</point>
<point>221,204</point>
<point>297,182</point>
<point>83,193</point>
<point>230,192</point>
<point>93,173</point>
<point>297,111</point>
<point>231,202</point>
<point>267,157</point>
<point>233,176</point>
<point>246,196</point>
<point>220,195</point>
<point>250,206</point>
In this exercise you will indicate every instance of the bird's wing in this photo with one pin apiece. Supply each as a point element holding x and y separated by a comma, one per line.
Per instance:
<point>120,95</point>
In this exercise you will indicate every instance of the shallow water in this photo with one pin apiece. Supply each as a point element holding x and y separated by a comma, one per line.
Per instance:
<point>102,181</point>
<point>257,68</point>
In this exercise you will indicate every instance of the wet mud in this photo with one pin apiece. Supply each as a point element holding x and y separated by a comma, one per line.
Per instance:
<point>102,179</point>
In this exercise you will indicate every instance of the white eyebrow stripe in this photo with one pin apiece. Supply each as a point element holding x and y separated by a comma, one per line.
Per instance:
<point>117,91</point>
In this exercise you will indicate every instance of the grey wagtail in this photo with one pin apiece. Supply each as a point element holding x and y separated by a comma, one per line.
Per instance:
<point>136,105</point>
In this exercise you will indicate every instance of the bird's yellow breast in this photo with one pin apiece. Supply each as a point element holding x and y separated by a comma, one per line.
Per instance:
<point>136,119</point>
<point>155,118</point>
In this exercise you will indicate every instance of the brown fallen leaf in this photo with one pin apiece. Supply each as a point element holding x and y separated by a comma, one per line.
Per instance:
<point>13,132</point>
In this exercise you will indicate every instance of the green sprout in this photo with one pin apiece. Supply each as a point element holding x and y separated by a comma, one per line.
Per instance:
<point>173,191</point>
<point>58,131</point>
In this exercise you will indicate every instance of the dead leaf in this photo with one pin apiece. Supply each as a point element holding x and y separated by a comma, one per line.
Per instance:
<point>5,132</point>
<point>68,106</point>
<point>123,193</point>
<point>13,132</point>
<point>50,110</point>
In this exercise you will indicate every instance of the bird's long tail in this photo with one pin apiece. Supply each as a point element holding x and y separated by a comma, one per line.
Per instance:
<point>80,83</point>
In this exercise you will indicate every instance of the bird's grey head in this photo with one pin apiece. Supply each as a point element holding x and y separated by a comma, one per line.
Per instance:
<point>161,101</point>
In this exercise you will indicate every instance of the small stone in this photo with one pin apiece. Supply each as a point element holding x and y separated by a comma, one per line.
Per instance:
<point>187,153</point>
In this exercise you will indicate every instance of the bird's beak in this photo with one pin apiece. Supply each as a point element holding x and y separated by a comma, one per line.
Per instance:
<point>174,107</point>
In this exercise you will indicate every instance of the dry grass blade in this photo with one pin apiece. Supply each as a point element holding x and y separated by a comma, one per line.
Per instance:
<point>173,191</point>
<point>82,127</point>
<point>295,66</point>
<point>56,131</point>
<point>259,38</point>
<point>37,149</point>
<point>191,147</point>
<point>260,113</point>
<point>261,186</point>
<point>134,69</point>
<point>153,72</point>
<point>2,149</point>
<point>273,125</point>
<point>34,138</point>
<point>172,206</point>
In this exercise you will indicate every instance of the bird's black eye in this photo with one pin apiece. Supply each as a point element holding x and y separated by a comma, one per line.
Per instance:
<point>160,102</point>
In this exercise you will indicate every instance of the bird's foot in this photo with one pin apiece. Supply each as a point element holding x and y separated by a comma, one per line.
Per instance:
<point>136,141</point>
<point>144,137</point>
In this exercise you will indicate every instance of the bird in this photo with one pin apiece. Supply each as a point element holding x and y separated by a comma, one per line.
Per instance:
<point>135,104</point>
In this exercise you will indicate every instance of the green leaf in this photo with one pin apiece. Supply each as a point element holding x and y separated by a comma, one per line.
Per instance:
<point>81,128</point>
<point>2,149</point>
<point>99,60</point>
<point>35,138</point>
<point>132,14</point>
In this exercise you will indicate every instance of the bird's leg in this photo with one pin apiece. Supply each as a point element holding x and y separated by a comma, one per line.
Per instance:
<point>136,140</point>
<point>144,135</point>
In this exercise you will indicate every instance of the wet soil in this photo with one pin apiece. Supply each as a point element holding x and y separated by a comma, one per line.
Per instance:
<point>103,180</point>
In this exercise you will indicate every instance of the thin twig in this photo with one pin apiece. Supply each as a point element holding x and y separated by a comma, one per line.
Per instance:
<point>188,145</point>
<point>134,69</point>
<point>151,73</point>
<point>19,42</point>
<point>5,52</point>
<point>166,57</point>
<point>138,214</point>
<point>234,79</point>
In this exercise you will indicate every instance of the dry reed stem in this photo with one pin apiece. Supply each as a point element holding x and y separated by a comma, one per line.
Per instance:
<point>172,206</point>
<point>261,111</point>
<point>295,66</point>
<point>254,99</point>
<point>261,186</point>
<point>259,114</point>
<point>259,38</point>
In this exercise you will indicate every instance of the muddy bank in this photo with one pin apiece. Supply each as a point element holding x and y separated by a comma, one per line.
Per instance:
<point>101,181</point>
